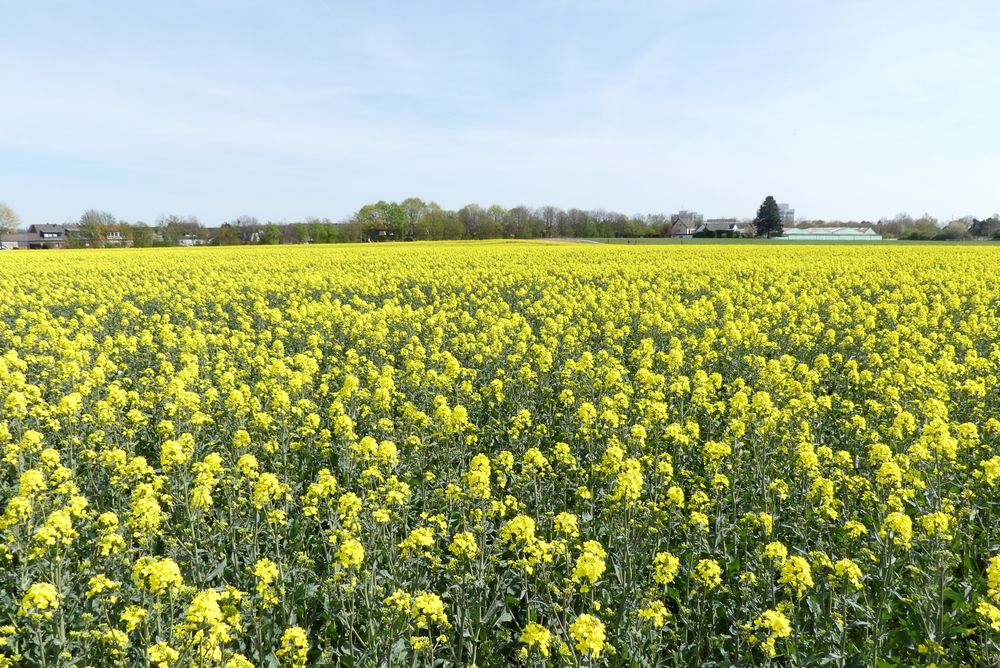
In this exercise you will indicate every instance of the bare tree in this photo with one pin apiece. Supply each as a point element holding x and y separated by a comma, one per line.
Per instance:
<point>173,228</point>
<point>548,214</point>
<point>8,219</point>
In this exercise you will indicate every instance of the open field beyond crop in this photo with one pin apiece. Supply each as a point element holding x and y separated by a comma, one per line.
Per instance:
<point>500,454</point>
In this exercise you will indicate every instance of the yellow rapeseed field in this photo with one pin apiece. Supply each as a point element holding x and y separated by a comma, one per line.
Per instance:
<point>500,454</point>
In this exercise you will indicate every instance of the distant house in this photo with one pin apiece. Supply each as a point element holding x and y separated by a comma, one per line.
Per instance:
<point>64,236</point>
<point>20,240</point>
<point>54,236</point>
<point>684,223</point>
<point>50,233</point>
<point>116,235</point>
<point>830,234</point>
<point>682,229</point>
<point>40,236</point>
<point>251,234</point>
<point>724,227</point>
<point>380,232</point>
<point>192,240</point>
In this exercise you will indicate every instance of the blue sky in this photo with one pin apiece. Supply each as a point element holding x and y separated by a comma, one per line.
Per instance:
<point>282,110</point>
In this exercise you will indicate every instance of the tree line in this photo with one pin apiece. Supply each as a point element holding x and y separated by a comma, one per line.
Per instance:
<point>415,219</point>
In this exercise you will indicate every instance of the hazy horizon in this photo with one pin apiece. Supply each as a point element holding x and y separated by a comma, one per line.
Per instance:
<point>845,111</point>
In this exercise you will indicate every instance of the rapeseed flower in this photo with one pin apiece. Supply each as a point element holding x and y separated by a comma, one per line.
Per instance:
<point>266,572</point>
<point>796,574</point>
<point>463,544</point>
<point>294,648</point>
<point>665,567</point>
<point>708,574</point>
<point>655,612</point>
<point>847,571</point>
<point>40,600</point>
<point>775,626</point>
<point>162,655</point>
<point>536,637</point>
<point>158,576</point>
<point>590,565</point>
<point>206,628</point>
<point>898,527</point>
<point>588,632</point>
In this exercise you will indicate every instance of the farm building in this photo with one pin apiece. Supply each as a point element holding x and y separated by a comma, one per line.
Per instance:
<point>684,223</point>
<point>724,227</point>
<point>830,234</point>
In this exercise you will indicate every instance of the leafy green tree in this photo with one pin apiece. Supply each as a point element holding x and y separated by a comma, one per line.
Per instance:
<point>517,223</point>
<point>433,223</point>
<point>549,215</point>
<point>227,235</point>
<point>956,230</point>
<point>355,230</point>
<point>904,226</point>
<point>414,210</point>
<point>494,225</point>
<point>586,223</point>
<point>323,231</point>
<point>986,228</point>
<point>579,224</point>
<point>301,231</point>
<point>388,215</point>
<point>142,235</point>
<point>8,219</point>
<point>271,234</point>
<point>768,220</point>
<point>451,225</point>
<point>92,226</point>
<point>173,228</point>
<point>472,217</point>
